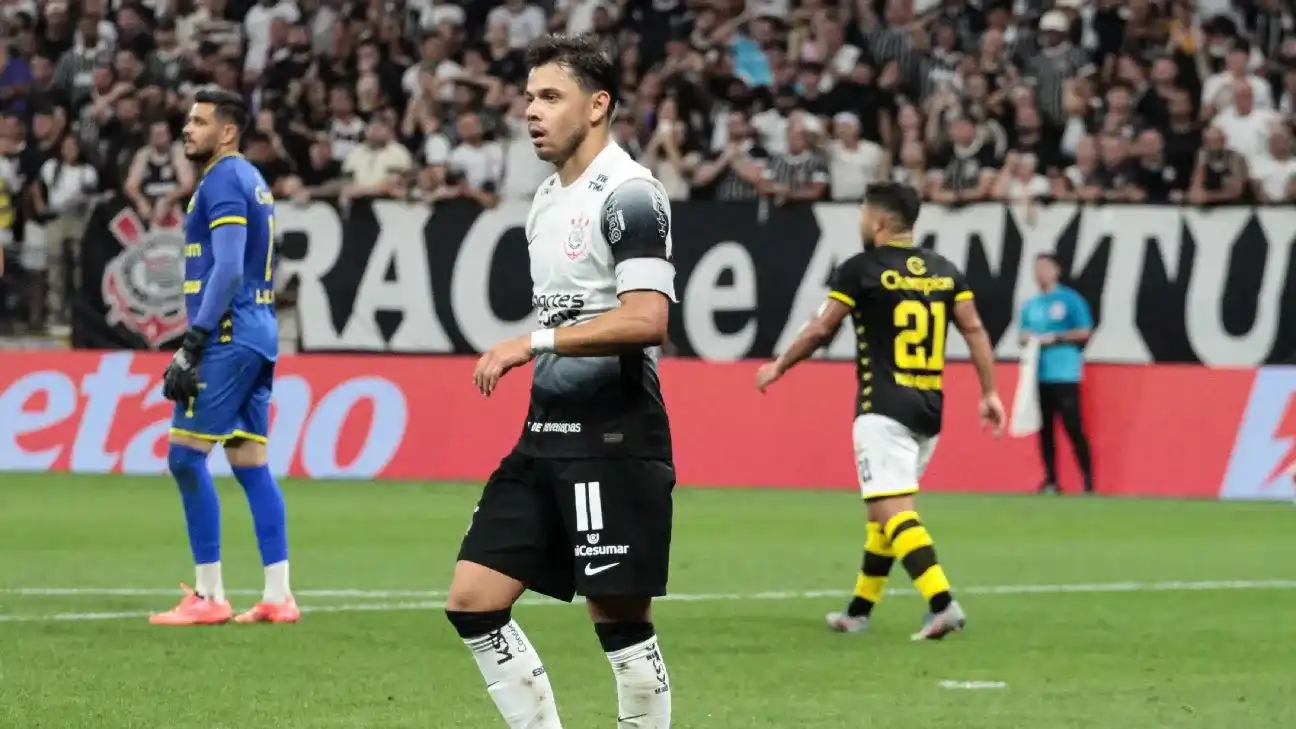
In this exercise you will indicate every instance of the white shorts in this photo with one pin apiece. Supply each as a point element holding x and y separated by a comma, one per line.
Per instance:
<point>889,457</point>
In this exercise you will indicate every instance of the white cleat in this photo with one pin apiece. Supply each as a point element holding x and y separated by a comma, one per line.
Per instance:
<point>840,622</point>
<point>950,620</point>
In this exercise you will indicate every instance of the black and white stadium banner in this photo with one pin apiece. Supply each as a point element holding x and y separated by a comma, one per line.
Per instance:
<point>1166,284</point>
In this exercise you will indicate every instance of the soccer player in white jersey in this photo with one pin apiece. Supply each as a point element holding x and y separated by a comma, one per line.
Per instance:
<point>582,505</point>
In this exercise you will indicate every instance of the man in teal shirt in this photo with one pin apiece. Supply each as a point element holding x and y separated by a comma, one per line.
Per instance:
<point>1059,317</point>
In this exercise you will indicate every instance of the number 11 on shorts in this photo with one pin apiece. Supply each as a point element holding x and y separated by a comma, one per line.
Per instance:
<point>589,507</point>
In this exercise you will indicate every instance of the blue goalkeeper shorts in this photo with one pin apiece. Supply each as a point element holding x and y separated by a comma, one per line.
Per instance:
<point>234,388</point>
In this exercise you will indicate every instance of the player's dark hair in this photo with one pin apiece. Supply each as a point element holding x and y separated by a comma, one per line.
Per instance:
<point>582,57</point>
<point>230,106</point>
<point>897,199</point>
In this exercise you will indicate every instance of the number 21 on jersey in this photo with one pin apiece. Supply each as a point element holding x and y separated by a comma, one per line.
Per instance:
<point>920,338</point>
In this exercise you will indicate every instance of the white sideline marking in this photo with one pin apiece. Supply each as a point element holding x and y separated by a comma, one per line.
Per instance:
<point>972,685</point>
<point>1078,588</point>
<point>150,591</point>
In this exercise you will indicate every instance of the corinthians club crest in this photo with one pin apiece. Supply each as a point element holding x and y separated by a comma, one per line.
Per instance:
<point>143,286</point>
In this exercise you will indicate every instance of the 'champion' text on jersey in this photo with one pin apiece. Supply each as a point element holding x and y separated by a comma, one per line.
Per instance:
<point>605,234</point>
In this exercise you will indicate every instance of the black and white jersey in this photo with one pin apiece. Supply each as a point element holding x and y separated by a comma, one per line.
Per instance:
<point>605,234</point>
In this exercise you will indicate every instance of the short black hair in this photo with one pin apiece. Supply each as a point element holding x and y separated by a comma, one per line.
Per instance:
<point>1050,257</point>
<point>897,199</point>
<point>582,56</point>
<point>230,105</point>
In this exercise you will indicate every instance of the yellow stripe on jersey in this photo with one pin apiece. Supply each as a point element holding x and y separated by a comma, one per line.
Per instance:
<point>963,296</point>
<point>842,298</point>
<point>228,220</point>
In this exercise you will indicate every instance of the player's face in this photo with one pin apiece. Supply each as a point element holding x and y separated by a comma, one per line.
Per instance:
<point>202,132</point>
<point>1046,273</point>
<point>559,112</point>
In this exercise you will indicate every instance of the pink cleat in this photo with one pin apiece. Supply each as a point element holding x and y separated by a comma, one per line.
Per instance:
<point>270,612</point>
<point>194,610</point>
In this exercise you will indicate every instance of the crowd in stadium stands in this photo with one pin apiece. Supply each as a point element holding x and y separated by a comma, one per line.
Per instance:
<point>1017,100</point>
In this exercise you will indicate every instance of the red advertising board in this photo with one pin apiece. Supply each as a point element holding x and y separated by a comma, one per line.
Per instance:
<point>1157,430</point>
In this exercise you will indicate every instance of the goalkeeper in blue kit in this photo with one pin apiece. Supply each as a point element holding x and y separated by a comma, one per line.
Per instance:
<point>222,376</point>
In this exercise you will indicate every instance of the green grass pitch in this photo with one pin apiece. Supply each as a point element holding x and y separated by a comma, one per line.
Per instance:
<point>1090,612</point>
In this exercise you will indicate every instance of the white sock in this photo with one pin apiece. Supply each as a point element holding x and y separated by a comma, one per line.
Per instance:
<point>276,583</point>
<point>515,678</point>
<point>643,687</point>
<point>208,582</point>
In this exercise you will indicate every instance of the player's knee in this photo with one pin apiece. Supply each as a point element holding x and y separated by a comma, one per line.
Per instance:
<point>617,636</point>
<point>884,509</point>
<point>472,623</point>
<point>184,461</point>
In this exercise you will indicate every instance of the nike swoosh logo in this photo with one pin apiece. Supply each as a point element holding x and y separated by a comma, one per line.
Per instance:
<point>591,570</point>
<point>623,719</point>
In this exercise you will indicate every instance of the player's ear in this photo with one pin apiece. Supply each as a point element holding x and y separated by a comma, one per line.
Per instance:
<point>600,108</point>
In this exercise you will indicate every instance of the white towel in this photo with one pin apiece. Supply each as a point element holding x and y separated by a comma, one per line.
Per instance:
<point>1025,419</point>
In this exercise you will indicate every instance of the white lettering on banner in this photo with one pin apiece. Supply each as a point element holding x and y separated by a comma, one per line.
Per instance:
<point>103,389</point>
<point>1123,255</point>
<point>1217,233</point>
<point>41,401</point>
<point>386,429</point>
<point>319,222</point>
<point>1039,233</point>
<point>835,246</point>
<point>146,452</point>
<point>402,249</point>
<point>17,419</point>
<point>1133,238</point>
<point>705,296</point>
<point>469,297</point>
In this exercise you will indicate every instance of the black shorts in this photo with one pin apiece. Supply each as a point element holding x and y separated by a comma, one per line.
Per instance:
<point>595,527</point>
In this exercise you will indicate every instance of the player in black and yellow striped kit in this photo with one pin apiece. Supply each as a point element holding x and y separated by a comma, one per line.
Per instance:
<point>900,299</point>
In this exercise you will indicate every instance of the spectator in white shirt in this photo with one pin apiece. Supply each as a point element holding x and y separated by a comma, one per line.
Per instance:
<point>1273,175</point>
<point>475,169</point>
<point>68,184</point>
<point>853,163</point>
<point>526,22</point>
<point>259,25</point>
<point>1246,127</point>
<point>1219,91</point>
<point>433,60</point>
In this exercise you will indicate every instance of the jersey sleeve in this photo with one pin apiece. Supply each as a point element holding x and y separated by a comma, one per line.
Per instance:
<point>847,284</point>
<point>1078,312</point>
<point>636,224</point>
<point>962,292</point>
<point>225,202</point>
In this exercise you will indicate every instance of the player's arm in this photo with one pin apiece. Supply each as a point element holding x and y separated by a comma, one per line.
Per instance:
<point>845,290</point>
<point>227,216</point>
<point>135,180</point>
<point>185,177</point>
<point>968,321</point>
<point>636,224</point>
<point>815,333</point>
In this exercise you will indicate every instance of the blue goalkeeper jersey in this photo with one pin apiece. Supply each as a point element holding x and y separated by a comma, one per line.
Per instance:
<point>233,193</point>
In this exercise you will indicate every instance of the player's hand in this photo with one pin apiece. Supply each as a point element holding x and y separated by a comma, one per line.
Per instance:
<point>500,359</point>
<point>992,414</point>
<point>1048,339</point>
<point>768,374</point>
<point>180,379</point>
